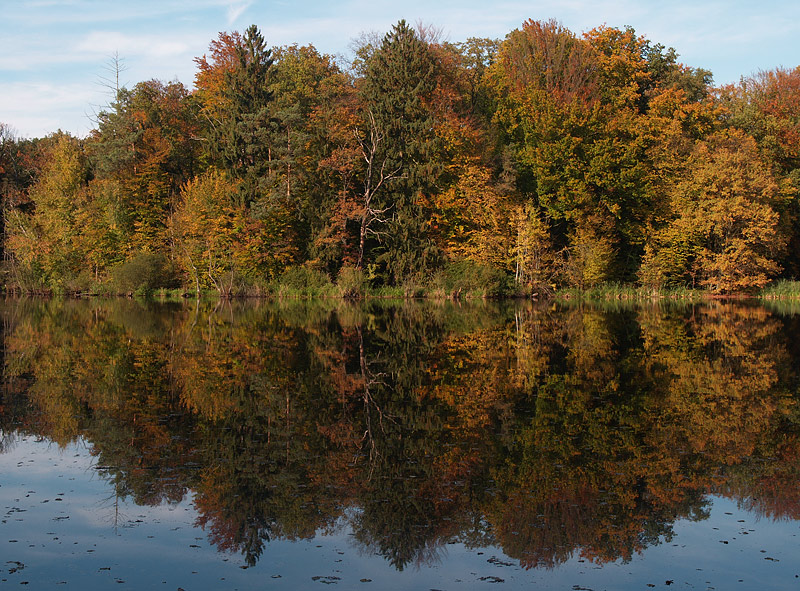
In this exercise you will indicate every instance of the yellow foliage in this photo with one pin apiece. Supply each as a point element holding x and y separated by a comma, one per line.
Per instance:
<point>472,218</point>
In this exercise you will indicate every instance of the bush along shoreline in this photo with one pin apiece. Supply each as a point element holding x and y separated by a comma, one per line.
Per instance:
<point>457,285</point>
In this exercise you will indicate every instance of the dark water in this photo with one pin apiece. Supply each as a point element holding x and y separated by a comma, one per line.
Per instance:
<point>405,446</point>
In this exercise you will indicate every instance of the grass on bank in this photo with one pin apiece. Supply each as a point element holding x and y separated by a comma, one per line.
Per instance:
<point>456,281</point>
<point>148,275</point>
<point>628,292</point>
<point>783,289</point>
<point>300,283</point>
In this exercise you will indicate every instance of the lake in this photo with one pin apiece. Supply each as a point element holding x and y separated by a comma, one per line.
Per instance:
<point>407,445</point>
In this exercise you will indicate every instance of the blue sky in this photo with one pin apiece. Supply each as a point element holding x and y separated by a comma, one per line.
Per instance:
<point>53,52</point>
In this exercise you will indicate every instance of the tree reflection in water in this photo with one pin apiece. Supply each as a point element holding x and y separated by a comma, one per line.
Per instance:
<point>546,430</point>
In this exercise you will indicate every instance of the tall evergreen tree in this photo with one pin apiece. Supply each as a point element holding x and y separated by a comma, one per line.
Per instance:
<point>241,139</point>
<point>397,90</point>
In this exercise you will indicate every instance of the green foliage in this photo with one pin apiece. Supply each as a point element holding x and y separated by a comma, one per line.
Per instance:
<point>144,150</point>
<point>241,138</point>
<point>591,254</point>
<point>469,279</point>
<point>302,278</point>
<point>352,283</point>
<point>781,289</point>
<point>569,109</point>
<point>397,89</point>
<point>607,294</point>
<point>144,273</point>
<point>536,263</point>
<point>476,55</point>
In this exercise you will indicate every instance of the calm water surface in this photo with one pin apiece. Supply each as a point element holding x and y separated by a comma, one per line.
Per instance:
<point>399,446</point>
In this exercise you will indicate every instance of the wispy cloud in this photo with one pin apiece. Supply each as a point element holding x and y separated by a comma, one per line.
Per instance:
<point>235,10</point>
<point>105,42</point>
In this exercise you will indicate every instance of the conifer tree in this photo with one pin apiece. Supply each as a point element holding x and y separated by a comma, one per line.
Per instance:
<point>397,89</point>
<point>240,140</point>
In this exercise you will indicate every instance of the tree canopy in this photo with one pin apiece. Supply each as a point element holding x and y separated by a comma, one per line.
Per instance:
<point>543,160</point>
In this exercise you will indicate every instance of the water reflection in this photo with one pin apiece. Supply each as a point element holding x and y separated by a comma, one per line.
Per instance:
<point>548,431</point>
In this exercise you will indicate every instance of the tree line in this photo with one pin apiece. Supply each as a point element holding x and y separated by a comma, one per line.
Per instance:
<point>516,166</point>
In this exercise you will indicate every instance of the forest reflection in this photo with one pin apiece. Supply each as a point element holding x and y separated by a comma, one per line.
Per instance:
<point>548,431</point>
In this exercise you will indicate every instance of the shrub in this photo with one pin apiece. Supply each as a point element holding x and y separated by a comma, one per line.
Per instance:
<point>470,278</point>
<point>352,282</point>
<point>302,281</point>
<point>143,273</point>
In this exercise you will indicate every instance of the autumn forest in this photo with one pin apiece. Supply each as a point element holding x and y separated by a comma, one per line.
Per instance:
<point>495,167</point>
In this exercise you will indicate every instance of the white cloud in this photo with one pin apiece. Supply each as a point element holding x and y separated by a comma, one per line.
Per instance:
<point>235,10</point>
<point>37,109</point>
<point>103,43</point>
